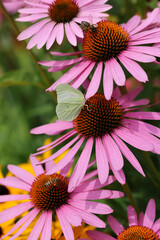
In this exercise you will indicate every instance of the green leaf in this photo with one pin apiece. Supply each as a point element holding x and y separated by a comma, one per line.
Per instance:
<point>19,77</point>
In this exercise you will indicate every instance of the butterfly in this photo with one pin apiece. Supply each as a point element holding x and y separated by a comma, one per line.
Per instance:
<point>70,102</point>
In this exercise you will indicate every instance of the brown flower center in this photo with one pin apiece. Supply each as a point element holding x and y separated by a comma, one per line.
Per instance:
<point>63,10</point>
<point>49,191</point>
<point>106,42</point>
<point>98,117</point>
<point>138,233</point>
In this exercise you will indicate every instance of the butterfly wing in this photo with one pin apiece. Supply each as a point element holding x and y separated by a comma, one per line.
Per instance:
<point>68,112</point>
<point>68,94</point>
<point>70,102</point>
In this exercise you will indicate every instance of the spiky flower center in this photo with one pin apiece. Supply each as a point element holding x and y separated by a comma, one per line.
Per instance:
<point>108,41</point>
<point>49,192</point>
<point>62,11</point>
<point>138,233</point>
<point>98,117</point>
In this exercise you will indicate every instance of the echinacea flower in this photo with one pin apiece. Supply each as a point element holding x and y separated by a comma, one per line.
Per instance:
<point>105,50</point>
<point>49,195</point>
<point>13,5</point>
<point>107,125</point>
<point>58,16</point>
<point>142,227</point>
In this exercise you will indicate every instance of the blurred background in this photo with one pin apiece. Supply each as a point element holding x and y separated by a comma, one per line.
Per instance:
<point>24,104</point>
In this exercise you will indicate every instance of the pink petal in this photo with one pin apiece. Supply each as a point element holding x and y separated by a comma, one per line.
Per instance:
<point>140,57</point>
<point>38,169</point>
<point>76,29</point>
<point>65,225</point>
<point>47,227</point>
<point>93,184</point>
<point>27,219</point>
<point>81,166</point>
<point>133,68</point>
<point>108,81</point>
<point>144,115</point>
<point>67,158</point>
<point>102,161</point>
<point>132,94</point>
<point>155,51</point>
<point>95,81</point>
<point>60,33</point>
<point>84,74</point>
<point>15,183</point>
<point>146,22</point>
<point>31,18</point>
<point>71,216</point>
<point>52,128</point>
<point>132,216</point>
<point>156,225</point>
<point>62,150</point>
<point>70,34</point>
<point>21,173</point>
<point>117,72</point>
<point>14,211</point>
<point>71,74</point>
<point>115,225</point>
<point>45,34</point>
<point>150,213</point>
<point>132,23</point>
<point>93,207</point>
<point>95,235</point>
<point>38,227</point>
<point>114,154</point>
<point>92,195</point>
<point>134,139</point>
<point>11,197</point>
<point>119,175</point>
<point>32,29</point>
<point>89,218</point>
<point>128,154</point>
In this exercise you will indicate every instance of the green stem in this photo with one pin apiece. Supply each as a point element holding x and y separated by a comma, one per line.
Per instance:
<point>42,73</point>
<point>130,196</point>
<point>152,167</point>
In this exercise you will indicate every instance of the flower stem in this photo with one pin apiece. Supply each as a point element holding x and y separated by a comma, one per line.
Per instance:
<point>151,166</point>
<point>42,73</point>
<point>130,196</point>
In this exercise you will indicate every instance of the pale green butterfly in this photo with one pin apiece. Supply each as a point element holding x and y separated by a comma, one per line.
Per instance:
<point>70,102</point>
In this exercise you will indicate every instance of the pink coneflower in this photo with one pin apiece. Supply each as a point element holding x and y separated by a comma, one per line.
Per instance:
<point>107,124</point>
<point>12,6</point>
<point>105,49</point>
<point>58,16</point>
<point>49,195</point>
<point>142,227</point>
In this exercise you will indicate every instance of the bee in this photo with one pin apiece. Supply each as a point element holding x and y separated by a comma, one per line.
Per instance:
<point>87,26</point>
<point>53,182</point>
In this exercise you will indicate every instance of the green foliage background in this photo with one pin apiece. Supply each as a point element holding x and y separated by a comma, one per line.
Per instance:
<point>24,104</point>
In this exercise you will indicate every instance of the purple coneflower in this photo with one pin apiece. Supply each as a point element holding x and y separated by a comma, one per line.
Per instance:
<point>104,126</point>
<point>49,195</point>
<point>104,51</point>
<point>144,227</point>
<point>58,16</point>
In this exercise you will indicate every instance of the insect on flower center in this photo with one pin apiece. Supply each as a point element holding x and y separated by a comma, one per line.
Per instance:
<point>49,192</point>
<point>98,116</point>
<point>138,233</point>
<point>62,11</point>
<point>108,41</point>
